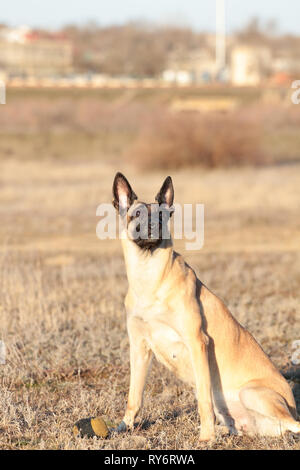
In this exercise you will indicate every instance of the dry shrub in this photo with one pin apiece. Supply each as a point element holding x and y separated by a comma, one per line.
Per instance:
<point>147,132</point>
<point>173,140</point>
<point>274,117</point>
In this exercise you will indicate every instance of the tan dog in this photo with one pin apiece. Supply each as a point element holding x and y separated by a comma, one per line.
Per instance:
<point>172,314</point>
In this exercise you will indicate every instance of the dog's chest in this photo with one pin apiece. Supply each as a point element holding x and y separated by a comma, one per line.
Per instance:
<point>165,342</point>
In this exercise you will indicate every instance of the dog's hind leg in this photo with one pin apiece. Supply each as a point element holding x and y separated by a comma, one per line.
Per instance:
<point>268,409</point>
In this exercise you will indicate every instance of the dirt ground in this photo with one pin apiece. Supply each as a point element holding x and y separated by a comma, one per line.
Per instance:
<point>62,290</point>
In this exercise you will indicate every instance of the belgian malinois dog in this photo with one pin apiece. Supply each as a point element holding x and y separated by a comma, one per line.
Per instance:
<point>172,315</point>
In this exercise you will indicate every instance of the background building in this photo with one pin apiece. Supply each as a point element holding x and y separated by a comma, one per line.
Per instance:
<point>250,65</point>
<point>24,52</point>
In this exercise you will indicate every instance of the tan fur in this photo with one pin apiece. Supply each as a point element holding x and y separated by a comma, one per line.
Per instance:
<point>172,314</point>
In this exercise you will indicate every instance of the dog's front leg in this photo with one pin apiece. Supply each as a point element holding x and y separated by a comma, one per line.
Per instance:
<point>140,359</point>
<point>198,346</point>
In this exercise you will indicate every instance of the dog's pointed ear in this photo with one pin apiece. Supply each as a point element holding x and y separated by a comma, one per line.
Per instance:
<point>123,194</point>
<point>166,193</point>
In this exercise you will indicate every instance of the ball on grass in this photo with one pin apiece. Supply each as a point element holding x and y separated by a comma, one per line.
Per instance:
<point>91,427</point>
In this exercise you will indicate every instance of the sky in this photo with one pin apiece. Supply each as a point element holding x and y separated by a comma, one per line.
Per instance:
<point>199,14</point>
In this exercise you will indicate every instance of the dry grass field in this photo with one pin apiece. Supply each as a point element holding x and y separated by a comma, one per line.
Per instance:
<point>62,290</point>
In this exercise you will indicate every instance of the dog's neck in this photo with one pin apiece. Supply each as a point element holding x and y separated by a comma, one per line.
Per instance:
<point>146,269</point>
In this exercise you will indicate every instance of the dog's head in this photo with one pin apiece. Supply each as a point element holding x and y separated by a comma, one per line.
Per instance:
<point>146,224</point>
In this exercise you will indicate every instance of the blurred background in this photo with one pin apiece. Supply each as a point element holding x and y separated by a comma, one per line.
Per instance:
<point>118,75</point>
<point>200,90</point>
<point>104,80</point>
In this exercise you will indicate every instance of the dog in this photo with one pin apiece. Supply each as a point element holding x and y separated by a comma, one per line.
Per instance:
<point>171,314</point>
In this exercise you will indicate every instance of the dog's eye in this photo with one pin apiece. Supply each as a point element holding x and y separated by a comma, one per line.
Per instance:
<point>137,214</point>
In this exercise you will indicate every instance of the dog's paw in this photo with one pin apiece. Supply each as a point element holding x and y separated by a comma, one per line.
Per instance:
<point>207,437</point>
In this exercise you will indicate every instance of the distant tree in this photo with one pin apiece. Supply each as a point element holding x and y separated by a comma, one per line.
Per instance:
<point>140,49</point>
<point>271,27</point>
<point>252,33</point>
<point>136,49</point>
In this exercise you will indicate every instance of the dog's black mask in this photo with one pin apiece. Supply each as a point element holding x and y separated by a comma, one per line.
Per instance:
<point>147,224</point>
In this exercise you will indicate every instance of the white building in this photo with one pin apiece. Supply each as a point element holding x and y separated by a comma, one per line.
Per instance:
<point>249,65</point>
<point>197,66</point>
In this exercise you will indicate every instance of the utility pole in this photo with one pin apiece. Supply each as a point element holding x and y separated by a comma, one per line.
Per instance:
<point>220,38</point>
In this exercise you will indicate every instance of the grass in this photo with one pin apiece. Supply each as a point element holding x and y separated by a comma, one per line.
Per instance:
<point>62,291</point>
<point>69,145</point>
